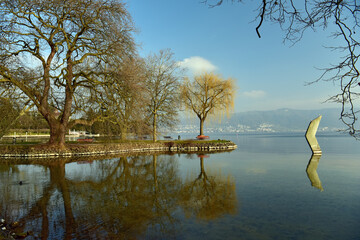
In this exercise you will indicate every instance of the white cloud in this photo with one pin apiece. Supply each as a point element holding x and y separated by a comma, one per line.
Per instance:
<point>197,65</point>
<point>255,94</point>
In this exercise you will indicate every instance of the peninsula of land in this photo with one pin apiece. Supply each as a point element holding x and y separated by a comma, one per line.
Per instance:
<point>94,148</point>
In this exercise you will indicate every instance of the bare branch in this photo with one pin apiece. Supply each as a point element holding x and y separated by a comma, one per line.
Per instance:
<point>261,18</point>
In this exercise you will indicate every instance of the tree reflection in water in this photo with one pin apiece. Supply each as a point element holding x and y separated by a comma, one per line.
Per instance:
<point>136,194</point>
<point>124,198</point>
<point>208,197</point>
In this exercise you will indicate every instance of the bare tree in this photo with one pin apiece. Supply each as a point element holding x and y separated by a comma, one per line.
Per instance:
<point>124,97</point>
<point>208,94</point>
<point>54,52</point>
<point>162,81</point>
<point>295,17</point>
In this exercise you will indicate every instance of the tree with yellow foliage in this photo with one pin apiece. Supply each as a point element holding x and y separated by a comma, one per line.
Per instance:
<point>208,94</point>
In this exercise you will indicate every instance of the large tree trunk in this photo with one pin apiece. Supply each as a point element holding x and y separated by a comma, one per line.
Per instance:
<point>57,134</point>
<point>58,120</point>
<point>202,120</point>
<point>154,127</point>
<point>123,133</point>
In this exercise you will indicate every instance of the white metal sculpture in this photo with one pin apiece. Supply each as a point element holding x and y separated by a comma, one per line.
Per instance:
<point>310,136</point>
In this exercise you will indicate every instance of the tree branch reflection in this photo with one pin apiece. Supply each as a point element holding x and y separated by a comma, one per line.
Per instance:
<point>208,197</point>
<point>121,198</point>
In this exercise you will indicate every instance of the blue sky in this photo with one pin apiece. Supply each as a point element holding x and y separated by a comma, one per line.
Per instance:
<point>269,74</point>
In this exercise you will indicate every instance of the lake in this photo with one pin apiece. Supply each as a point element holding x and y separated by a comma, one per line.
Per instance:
<point>270,187</point>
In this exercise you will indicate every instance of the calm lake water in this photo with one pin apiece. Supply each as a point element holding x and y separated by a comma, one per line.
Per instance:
<point>268,188</point>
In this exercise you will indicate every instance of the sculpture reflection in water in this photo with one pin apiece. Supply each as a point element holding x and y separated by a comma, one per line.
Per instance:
<point>311,171</point>
<point>208,197</point>
<point>128,197</point>
<point>316,153</point>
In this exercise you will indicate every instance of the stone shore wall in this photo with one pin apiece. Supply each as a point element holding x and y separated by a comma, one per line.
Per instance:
<point>110,149</point>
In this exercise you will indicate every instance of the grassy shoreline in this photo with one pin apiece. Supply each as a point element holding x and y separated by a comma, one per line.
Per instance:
<point>35,150</point>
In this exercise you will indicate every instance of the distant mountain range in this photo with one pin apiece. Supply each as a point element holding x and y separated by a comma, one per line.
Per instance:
<point>281,120</point>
